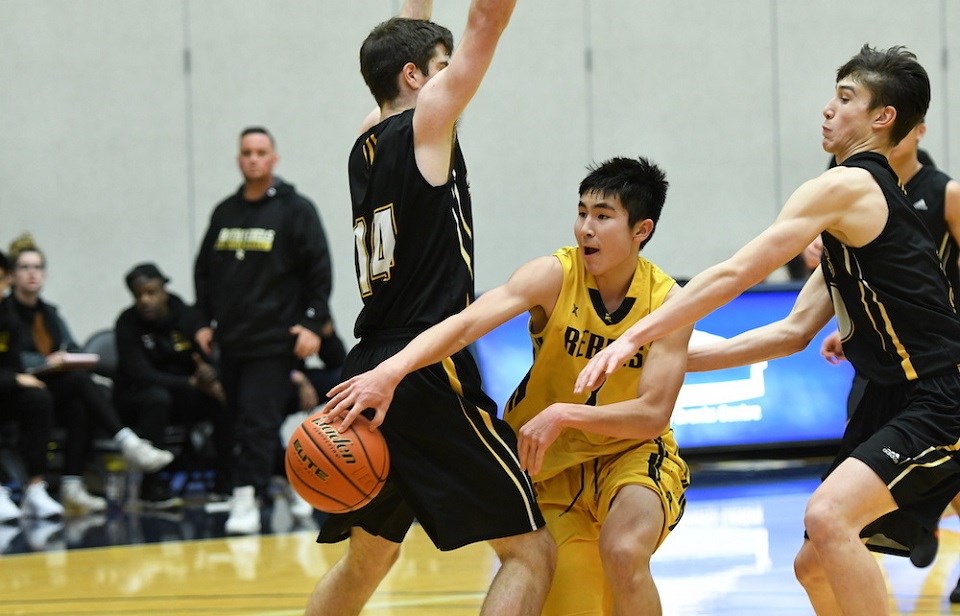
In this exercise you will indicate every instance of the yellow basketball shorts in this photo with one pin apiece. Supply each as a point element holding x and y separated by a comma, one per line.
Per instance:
<point>576,502</point>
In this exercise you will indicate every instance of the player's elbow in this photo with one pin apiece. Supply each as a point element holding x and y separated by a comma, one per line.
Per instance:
<point>795,338</point>
<point>655,417</point>
<point>660,424</point>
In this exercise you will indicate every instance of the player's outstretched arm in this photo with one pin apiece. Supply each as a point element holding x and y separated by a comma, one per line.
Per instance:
<point>811,311</point>
<point>815,206</point>
<point>534,284</point>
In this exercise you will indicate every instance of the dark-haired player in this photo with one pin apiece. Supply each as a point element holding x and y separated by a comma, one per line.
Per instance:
<point>454,464</point>
<point>899,329</point>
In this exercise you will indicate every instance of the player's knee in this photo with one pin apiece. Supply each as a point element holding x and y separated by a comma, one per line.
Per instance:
<point>625,561</point>
<point>821,520</point>
<point>373,560</point>
<point>536,550</point>
<point>806,567</point>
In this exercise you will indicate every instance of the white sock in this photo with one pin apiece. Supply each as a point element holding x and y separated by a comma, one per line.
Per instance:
<point>70,480</point>
<point>124,435</point>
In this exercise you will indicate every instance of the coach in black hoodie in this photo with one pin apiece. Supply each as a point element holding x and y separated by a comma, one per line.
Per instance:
<point>262,281</point>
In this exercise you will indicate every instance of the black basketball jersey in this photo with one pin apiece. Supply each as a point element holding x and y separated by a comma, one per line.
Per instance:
<point>414,241</point>
<point>927,192</point>
<point>891,297</point>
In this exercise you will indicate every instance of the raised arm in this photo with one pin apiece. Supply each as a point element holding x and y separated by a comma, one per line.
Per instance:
<point>416,9</point>
<point>793,333</point>
<point>445,96</point>
<point>536,283</point>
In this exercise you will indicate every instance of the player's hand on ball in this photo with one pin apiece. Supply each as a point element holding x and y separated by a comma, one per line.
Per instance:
<point>369,390</point>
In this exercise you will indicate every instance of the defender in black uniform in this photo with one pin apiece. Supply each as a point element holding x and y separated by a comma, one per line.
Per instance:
<point>899,329</point>
<point>454,464</point>
<point>935,198</point>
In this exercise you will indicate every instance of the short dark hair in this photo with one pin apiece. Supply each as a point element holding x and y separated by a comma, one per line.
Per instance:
<point>640,185</point>
<point>895,78</point>
<point>258,130</point>
<point>4,262</point>
<point>394,43</point>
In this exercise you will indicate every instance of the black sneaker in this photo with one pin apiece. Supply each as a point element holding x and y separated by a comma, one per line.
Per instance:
<point>955,594</point>
<point>925,551</point>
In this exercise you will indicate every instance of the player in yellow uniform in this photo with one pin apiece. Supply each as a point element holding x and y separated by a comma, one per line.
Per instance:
<point>607,470</point>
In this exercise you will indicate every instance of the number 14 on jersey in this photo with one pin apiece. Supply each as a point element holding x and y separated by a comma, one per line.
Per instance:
<point>376,262</point>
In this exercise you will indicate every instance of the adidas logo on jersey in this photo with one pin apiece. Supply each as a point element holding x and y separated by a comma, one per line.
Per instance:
<point>893,454</point>
<point>920,205</point>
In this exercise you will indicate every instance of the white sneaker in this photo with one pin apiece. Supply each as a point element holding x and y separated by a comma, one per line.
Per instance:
<point>8,509</point>
<point>77,500</point>
<point>144,456</point>
<point>244,512</point>
<point>37,503</point>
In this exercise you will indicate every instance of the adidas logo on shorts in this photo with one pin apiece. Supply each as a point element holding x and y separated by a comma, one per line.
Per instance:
<point>893,454</point>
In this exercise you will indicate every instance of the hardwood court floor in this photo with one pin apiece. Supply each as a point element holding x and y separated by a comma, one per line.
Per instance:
<point>731,556</point>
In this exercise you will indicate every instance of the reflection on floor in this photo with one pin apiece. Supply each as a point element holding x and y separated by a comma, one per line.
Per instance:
<point>731,555</point>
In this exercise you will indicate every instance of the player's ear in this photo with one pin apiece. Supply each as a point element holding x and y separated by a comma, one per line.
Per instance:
<point>885,116</point>
<point>409,75</point>
<point>642,229</point>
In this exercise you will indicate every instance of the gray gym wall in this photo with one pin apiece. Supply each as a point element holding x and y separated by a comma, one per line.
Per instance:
<point>120,120</point>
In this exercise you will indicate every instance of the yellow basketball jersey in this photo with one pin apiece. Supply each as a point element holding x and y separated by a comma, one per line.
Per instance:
<point>577,329</point>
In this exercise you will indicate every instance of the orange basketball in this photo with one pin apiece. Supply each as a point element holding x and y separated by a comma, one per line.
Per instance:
<point>335,472</point>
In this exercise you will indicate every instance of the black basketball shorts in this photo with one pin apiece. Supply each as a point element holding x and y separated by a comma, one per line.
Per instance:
<point>453,463</point>
<point>909,435</point>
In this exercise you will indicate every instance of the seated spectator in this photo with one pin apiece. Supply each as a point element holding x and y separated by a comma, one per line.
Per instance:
<point>25,399</point>
<point>79,403</point>
<point>162,377</point>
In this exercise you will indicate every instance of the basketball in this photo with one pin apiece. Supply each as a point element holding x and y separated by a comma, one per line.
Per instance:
<point>335,472</point>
